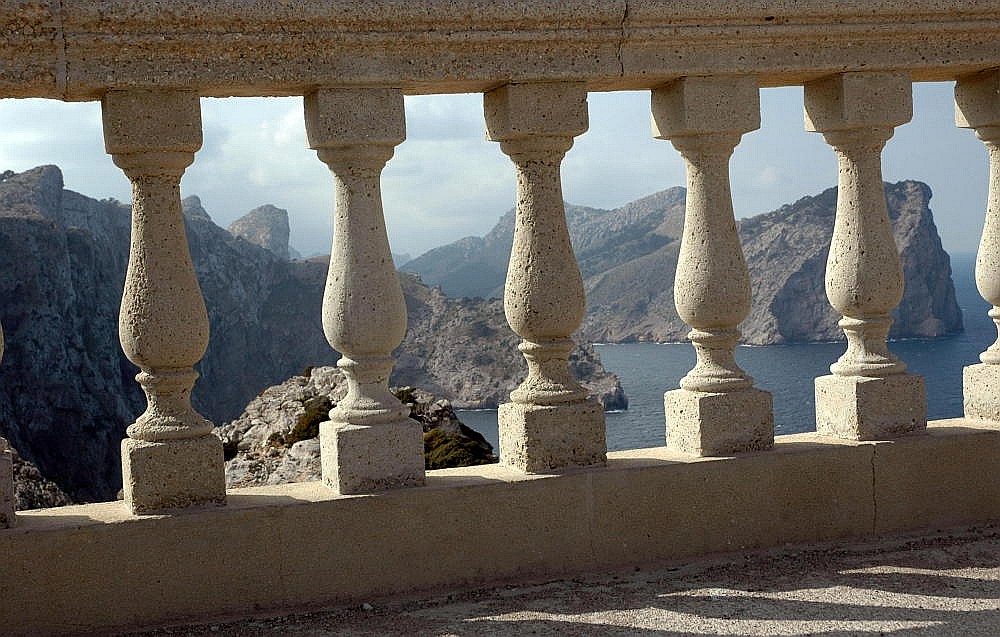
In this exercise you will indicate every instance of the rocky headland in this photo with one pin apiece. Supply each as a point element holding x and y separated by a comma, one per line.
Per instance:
<point>267,227</point>
<point>66,390</point>
<point>628,257</point>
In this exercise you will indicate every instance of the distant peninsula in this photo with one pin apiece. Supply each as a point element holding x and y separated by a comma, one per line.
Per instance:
<point>628,257</point>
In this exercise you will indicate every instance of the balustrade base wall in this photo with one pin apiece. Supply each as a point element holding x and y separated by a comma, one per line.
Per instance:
<point>542,437</point>
<point>362,458</point>
<point>981,391</point>
<point>171,474</point>
<point>299,546</point>
<point>863,408</point>
<point>715,424</point>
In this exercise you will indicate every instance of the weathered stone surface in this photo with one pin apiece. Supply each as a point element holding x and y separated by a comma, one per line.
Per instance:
<point>860,408</point>
<point>544,302</point>
<point>163,323</point>
<point>539,438</point>
<point>977,106</point>
<point>275,439</point>
<point>870,395</point>
<point>83,48</point>
<point>716,411</point>
<point>366,458</point>
<point>628,257</point>
<point>981,391</point>
<point>172,474</point>
<point>267,227</point>
<point>369,443</point>
<point>714,424</point>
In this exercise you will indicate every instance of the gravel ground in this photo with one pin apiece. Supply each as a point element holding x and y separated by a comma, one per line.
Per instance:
<point>947,583</point>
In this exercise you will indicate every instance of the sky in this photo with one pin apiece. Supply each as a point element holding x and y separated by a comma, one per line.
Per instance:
<point>446,181</point>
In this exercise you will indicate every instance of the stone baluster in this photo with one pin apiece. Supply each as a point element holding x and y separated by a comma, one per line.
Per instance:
<point>717,411</point>
<point>170,458</point>
<point>369,443</point>
<point>6,474</point>
<point>868,396</point>
<point>550,422</point>
<point>977,106</point>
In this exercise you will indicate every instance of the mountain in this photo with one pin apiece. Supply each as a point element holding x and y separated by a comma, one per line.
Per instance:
<point>266,226</point>
<point>66,390</point>
<point>477,266</point>
<point>628,257</point>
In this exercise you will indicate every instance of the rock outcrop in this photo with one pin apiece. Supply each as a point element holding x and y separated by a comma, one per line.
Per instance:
<point>66,390</point>
<point>32,490</point>
<point>266,227</point>
<point>628,257</point>
<point>275,440</point>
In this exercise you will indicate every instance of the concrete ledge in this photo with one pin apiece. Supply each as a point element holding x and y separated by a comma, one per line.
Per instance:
<point>82,568</point>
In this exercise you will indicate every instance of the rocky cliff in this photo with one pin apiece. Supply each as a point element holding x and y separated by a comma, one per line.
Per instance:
<point>32,490</point>
<point>66,391</point>
<point>266,227</point>
<point>628,257</point>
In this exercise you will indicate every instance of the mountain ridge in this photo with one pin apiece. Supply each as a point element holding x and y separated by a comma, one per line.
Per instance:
<point>628,257</point>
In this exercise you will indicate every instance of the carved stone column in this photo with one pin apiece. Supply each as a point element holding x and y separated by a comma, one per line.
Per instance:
<point>550,422</point>
<point>977,106</point>
<point>170,459</point>
<point>7,518</point>
<point>369,443</point>
<point>869,396</point>
<point>717,411</point>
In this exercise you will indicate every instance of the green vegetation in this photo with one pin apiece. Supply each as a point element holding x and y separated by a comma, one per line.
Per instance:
<point>443,450</point>
<point>317,409</point>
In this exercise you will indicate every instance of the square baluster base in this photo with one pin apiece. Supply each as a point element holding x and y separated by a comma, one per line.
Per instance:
<point>981,391</point>
<point>536,438</point>
<point>173,473</point>
<point>863,408</point>
<point>7,499</point>
<point>367,458</point>
<point>719,424</point>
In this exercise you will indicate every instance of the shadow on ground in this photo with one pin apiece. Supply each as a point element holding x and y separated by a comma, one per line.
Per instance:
<point>947,583</point>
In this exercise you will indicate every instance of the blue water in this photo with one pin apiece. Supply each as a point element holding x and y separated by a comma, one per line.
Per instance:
<point>647,370</point>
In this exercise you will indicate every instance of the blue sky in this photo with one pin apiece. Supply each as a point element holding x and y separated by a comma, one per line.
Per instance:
<point>446,181</point>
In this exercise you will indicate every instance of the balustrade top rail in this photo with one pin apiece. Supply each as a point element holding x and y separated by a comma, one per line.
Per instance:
<point>78,49</point>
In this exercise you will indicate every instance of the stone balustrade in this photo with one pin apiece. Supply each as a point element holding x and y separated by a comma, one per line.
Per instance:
<point>534,62</point>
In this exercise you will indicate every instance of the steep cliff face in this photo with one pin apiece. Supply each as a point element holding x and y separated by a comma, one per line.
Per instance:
<point>786,251</point>
<point>628,258</point>
<point>66,390</point>
<point>266,227</point>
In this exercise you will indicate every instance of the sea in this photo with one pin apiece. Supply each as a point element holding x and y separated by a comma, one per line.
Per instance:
<point>647,370</point>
